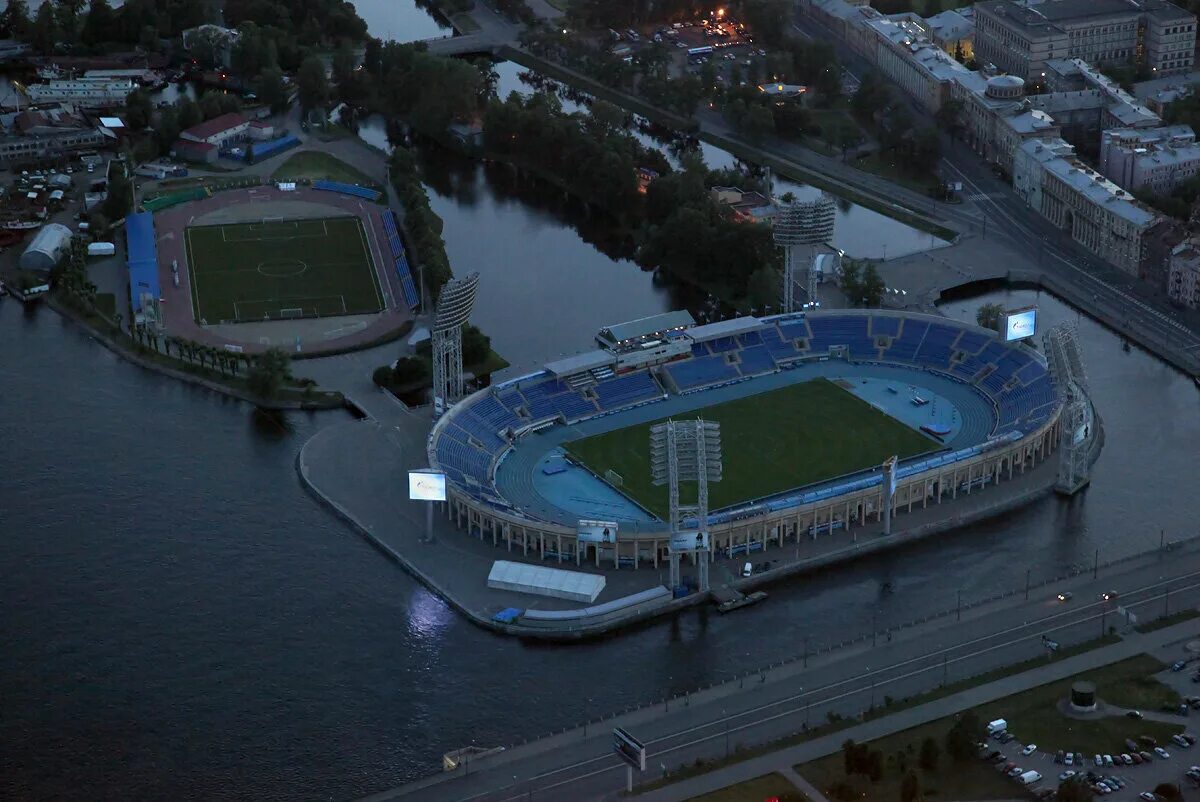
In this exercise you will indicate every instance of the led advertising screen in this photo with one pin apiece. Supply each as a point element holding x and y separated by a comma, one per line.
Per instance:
<point>1020,323</point>
<point>597,532</point>
<point>689,541</point>
<point>426,486</point>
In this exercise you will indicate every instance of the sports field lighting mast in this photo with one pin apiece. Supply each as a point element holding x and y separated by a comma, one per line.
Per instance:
<point>687,451</point>
<point>801,223</point>
<point>454,306</point>
<point>1075,422</point>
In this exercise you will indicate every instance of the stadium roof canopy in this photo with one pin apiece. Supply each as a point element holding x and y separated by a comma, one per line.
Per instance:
<point>725,328</point>
<point>143,257</point>
<point>644,327</point>
<point>581,362</point>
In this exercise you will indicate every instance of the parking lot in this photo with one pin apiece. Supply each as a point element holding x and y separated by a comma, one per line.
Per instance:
<point>1127,775</point>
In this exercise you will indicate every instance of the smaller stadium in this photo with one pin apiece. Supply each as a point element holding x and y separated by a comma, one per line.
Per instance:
<point>810,406</point>
<point>281,268</point>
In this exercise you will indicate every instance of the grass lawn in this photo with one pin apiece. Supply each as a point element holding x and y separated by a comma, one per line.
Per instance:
<point>1033,716</point>
<point>315,165</point>
<point>106,304</point>
<point>760,788</point>
<point>973,780</point>
<point>1168,621</point>
<point>885,166</point>
<point>292,268</point>
<point>771,442</point>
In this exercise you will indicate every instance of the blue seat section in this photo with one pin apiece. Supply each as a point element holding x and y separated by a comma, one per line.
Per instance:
<point>456,454</point>
<point>701,371</point>
<point>400,259</point>
<point>936,348</point>
<point>347,189</point>
<point>749,338</point>
<point>722,344</point>
<point>1030,372</point>
<point>494,414</point>
<point>1029,405</point>
<point>848,330</point>
<point>779,348</point>
<point>794,330</point>
<point>967,369</point>
<point>882,326</point>
<point>698,349</point>
<point>756,359</point>
<point>904,347</point>
<point>972,341</point>
<point>625,390</point>
<point>994,352</point>
<point>547,398</point>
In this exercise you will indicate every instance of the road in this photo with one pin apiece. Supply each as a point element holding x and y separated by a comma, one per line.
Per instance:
<point>785,699</point>
<point>993,210</point>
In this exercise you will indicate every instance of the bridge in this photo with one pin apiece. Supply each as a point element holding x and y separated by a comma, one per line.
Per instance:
<point>471,44</point>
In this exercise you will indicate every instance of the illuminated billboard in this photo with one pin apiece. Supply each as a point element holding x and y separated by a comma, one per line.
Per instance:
<point>597,532</point>
<point>689,541</point>
<point>1020,323</point>
<point>426,486</point>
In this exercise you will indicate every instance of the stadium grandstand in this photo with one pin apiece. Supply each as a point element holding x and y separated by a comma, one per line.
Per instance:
<point>354,190</point>
<point>144,289</point>
<point>391,227</point>
<point>982,410</point>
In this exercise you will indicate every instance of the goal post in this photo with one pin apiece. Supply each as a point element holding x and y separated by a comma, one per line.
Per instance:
<point>613,478</point>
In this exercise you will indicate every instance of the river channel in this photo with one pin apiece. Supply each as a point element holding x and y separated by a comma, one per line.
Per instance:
<point>181,620</point>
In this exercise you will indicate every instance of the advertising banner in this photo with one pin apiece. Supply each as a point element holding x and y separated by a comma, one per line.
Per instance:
<point>597,532</point>
<point>426,486</point>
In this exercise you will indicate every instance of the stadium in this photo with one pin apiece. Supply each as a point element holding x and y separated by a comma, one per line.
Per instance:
<point>810,406</point>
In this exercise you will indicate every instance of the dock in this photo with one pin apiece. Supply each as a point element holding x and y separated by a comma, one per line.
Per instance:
<point>729,599</point>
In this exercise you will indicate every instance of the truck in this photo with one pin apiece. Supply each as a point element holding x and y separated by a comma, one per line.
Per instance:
<point>999,725</point>
<point>101,249</point>
<point>1030,777</point>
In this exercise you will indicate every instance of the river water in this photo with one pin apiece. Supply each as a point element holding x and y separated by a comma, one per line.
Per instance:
<point>181,620</point>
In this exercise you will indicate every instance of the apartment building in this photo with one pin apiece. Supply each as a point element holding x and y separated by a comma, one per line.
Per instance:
<point>905,55</point>
<point>997,118</point>
<point>1020,37</point>
<point>1097,213</point>
<point>1155,159</point>
<point>1183,274</point>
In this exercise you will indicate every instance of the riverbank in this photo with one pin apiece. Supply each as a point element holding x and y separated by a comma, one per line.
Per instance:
<point>313,400</point>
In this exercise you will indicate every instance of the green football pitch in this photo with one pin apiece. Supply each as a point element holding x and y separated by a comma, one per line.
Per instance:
<point>771,442</point>
<point>281,269</point>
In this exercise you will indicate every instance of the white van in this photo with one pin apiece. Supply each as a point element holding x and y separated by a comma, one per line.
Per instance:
<point>1030,777</point>
<point>996,726</point>
<point>747,569</point>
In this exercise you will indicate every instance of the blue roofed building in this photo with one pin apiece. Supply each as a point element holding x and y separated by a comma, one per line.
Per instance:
<point>144,288</point>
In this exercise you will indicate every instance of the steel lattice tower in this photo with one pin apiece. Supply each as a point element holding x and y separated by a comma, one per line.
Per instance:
<point>454,306</point>
<point>801,223</point>
<point>687,451</point>
<point>1066,371</point>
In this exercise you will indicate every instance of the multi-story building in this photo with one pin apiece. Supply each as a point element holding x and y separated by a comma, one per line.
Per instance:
<point>36,135</point>
<point>1020,37</point>
<point>92,93</point>
<point>1153,159</point>
<point>1097,213</point>
<point>996,117</point>
<point>904,54</point>
<point>954,32</point>
<point>1183,279</point>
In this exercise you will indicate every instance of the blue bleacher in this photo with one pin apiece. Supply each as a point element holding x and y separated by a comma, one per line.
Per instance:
<point>756,359</point>
<point>972,341</point>
<point>701,371</point>
<point>407,286</point>
<point>625,390</point>
<point>883,326</point>
<point>936,348</point>
<point>794,330</point>
<point>780,348</point>
<point>698,349</point>
<point>749,338</point>
<point>904,347</point>
<point>848,330</point>
<point>722,344</point>
<point>347,189</point>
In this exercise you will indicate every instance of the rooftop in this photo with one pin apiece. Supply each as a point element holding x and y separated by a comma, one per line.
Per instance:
<point>215,126</point>
<point>1100,190</point>
<point>954,24</point>
<point>644,327</point>
<point>580,362</point>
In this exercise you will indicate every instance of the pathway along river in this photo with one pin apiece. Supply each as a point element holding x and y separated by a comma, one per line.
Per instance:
<point>181,620</point>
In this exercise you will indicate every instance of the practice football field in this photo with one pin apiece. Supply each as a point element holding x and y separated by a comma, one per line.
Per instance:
<point>281,269</point>
<point>775,441</point>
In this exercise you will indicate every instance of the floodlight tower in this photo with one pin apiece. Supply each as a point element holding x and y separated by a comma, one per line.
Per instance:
<point>802,223</point>
<point>687,451</point>
<point>1066,371</point>
<point>454,306</point>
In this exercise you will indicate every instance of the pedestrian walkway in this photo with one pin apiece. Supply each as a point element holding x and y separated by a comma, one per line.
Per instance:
<point>1132,645</point>
<point>804,785</point>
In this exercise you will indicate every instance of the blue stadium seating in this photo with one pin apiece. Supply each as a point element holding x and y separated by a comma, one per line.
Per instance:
<point>722,344</point>
<point>749,338</point>
<point>884,326</point>
<point>848,330</point>
<point>392,230</point>
<point>972,341</point>
<point>794,330</point>
<point>935,349</point>
<point>781,349</point>
<point>904,347</point>
<point>701,371</point>
<point>756,359</point>
<point>625,390</point>
<point>347,189</point>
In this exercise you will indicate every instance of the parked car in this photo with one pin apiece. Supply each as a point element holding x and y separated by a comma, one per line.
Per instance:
<point>1148,740</point>
<point>1131,745</point>
<point>1008,736</point>
<point>1162,753</point>
<point>1031,748</point>
<point>1126,759</point>
<point>1149,797</point>
<point>1016,771</point>
<point>1058,757</point>
<point>1137,758</point>
<point>1191,739</point>
<point>1108,761</point>
<point>1146,756</point>
<point>1179,665</point>
<point>1099,761</point>
<point>1180,741</point>
<point>1069,759</point>
<point>1066,775</point>
<point>1133,713</point>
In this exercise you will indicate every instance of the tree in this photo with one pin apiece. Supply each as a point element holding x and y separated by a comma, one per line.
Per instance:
<point>1074,790</point>
<point>119,200</point>
<point>476,345</point>
<point>949,116</point>
<point>312,83</point>
<point>929,754</point>
<point>410,370</point>
<point>1169,792</point>
<point>266,378</point>
<point>44,32</point>
<point>850,760</point>
<point>872,286</point>
<point>762,289</point>
<point>851,282</point>
<point>910,788</point>
<point>988,316</point>
<point>100,24</point>
<point>139,109</point>
<point>874,765</point>
<point>271,90</point>
<point>933,7</point>
<point>963,736</point>
<point>14,22</point>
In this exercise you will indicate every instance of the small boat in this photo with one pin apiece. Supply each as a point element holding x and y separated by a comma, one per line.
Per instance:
<point>22,225</point>
<point>741,601</point>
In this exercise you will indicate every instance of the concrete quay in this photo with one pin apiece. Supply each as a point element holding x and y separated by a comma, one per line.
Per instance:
<point>359,469</point>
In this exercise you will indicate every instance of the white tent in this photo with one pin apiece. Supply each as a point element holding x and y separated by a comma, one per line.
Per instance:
<point>542,581</point>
